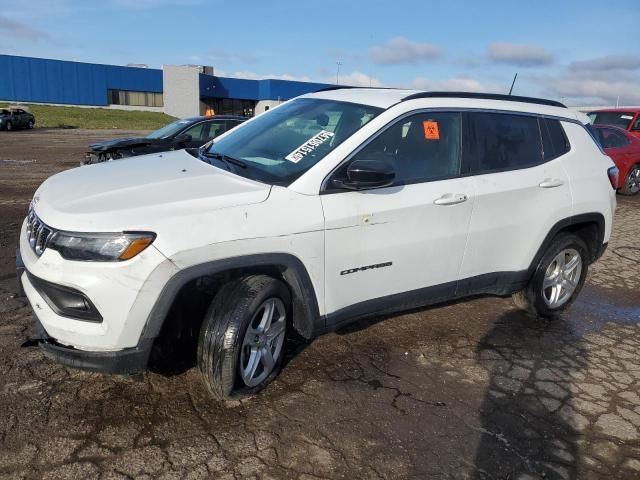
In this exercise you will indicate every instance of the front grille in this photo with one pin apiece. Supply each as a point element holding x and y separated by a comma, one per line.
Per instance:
<point>38,234</point>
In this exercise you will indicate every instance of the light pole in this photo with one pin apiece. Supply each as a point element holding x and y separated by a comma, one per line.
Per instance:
<point>338,72</point>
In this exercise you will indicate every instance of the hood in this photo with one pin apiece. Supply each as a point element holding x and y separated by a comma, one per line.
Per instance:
<point>134,194</point>
<point>121,143</point>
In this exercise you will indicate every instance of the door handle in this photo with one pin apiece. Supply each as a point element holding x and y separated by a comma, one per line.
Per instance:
<point>451,199</point>
<point>550,183</point>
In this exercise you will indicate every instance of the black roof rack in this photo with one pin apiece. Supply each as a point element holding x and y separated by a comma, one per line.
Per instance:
<point>486,96</point>
<point>335,87</point>
<point>340,87</point>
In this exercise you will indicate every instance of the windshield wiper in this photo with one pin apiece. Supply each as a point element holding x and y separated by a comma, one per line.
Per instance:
<point>225,159</point>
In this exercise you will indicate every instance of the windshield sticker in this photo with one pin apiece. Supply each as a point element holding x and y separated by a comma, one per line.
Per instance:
<point>309,146</point>
<point>431,131</point>
<point>626,117</point>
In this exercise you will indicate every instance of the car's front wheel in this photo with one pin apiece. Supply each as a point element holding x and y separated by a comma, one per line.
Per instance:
<point>241,345</point>
<point>632,182</point>
<point>558,278</point>
<point>8,126</point>
<point>30,124</point>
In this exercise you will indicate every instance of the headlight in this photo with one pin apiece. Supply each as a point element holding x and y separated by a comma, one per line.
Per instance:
<point>101,247</point>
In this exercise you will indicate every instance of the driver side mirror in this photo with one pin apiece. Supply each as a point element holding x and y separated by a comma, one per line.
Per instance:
<point>363,174</point>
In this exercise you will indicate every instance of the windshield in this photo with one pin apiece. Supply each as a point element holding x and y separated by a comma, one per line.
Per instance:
<point>618,119</point>
<point>169,130</point>
<point>5,112</point>
<point>281,144</point>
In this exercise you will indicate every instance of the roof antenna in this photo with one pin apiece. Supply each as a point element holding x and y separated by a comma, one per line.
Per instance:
<point>513,83</point>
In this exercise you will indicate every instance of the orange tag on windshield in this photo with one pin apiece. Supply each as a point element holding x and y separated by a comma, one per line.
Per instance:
<point>431,131</point>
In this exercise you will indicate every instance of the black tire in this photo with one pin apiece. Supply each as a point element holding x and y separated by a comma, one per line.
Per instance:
<point>532,298</point>
<point>8,126</point>
<point>30,124</point>
<point>223,331</point>
<point>630,186</point>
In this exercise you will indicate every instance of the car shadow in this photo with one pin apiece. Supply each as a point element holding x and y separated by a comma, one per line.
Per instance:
<point>527,426</point>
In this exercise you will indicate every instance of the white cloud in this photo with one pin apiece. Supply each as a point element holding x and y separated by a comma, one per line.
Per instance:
<point>520,55</point>
<point>456,84</point>
<point>356,79</point>
<point>581,91</point>
<point>259,76</point>
<point>226,56</point>
<point>609,62</point>
<point>14,28</point>
<point>399,50</point>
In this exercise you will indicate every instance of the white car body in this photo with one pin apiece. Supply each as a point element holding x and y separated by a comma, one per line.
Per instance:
<point>203,215</point>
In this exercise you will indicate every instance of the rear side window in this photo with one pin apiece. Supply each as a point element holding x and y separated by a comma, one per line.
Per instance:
<point>554,140</point>
<point>501,141</point>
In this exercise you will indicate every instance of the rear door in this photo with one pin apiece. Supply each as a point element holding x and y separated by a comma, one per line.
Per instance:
<point>385,246</point>
<point>521,190</point>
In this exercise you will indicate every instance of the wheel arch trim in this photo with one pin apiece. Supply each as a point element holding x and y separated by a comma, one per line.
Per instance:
<point>307,319</point>
<point>573,221</point>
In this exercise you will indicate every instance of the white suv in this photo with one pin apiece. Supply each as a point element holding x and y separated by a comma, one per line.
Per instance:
<point>330,207</point>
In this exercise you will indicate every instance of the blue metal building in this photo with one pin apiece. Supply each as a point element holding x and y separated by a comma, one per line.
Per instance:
<point>27,79</point>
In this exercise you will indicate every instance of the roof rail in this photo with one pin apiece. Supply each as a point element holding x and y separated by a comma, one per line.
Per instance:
<point>334,87</point>
<point>487,96</point>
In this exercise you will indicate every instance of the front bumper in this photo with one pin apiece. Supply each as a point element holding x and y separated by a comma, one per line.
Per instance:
<point>120,292</point>
<point>127,361</point>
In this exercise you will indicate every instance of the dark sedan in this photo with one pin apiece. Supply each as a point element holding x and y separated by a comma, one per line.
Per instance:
<point>186,133</point>
<point>13,118</point>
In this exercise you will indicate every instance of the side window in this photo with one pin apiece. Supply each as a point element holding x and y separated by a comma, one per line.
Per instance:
<point>501,141</point>
<point>613,139</point>
<point>197,132</point>
<point>422,147</point>
<point>554,140</point>
<point>636,125</point>
<point>215,129</point>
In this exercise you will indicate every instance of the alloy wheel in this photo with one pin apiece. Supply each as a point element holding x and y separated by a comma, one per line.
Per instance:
<point>263,342</point>
<point>562,278</point>
<point>633,180</point>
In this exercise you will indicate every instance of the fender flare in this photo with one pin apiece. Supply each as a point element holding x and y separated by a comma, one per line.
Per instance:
<point>582,218</point>
<point>306,314</point>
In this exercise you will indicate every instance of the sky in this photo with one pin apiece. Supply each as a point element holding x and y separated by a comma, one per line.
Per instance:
<point>580,52</point>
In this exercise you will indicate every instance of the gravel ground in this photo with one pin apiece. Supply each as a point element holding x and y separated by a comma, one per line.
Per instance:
<point>475,389</point>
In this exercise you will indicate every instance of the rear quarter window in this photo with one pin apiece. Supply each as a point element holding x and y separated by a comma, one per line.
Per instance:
<point>554,140</point>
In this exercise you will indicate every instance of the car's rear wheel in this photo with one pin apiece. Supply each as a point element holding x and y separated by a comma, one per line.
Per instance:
<point>30,124</point>
<point>241,345</point>
<point>631,184</point>
<point>558,278</point>
<point>8,126</point>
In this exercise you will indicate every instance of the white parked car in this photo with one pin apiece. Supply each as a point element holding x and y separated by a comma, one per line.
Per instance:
<point>331,207</point>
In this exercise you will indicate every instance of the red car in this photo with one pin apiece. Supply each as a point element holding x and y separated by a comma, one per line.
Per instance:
<point>624,150</point>
<point>625,118</point>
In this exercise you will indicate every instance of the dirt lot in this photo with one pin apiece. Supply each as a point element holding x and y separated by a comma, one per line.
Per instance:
<point>468,390</point>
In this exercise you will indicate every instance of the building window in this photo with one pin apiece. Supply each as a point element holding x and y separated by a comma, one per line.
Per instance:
<point>231,106</point>
<point>139,99</point>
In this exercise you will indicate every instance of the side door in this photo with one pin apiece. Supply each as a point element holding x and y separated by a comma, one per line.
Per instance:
<point>19,117</point>
<point>522,190</point>
<point>399,246</point>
